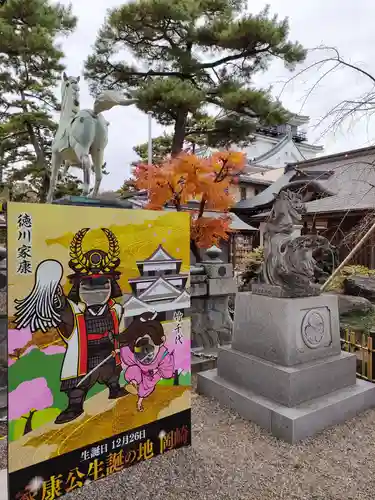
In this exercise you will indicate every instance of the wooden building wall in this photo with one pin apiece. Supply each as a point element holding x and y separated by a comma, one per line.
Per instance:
<point>337,228</point>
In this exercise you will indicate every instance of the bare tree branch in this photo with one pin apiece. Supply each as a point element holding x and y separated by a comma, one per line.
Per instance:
<point>346,109</point>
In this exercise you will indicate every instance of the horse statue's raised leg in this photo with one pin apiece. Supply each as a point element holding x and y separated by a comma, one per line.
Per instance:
<point>55,167</point>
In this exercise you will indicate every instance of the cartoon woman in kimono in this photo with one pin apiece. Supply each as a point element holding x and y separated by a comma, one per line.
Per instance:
<point>145,357</point>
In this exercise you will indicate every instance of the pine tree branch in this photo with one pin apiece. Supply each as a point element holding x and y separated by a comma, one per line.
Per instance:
<point>39,98</point>
<point>234,57</point>
<point>121,72</point>
<point>248,113</point>
<point>152,72</point>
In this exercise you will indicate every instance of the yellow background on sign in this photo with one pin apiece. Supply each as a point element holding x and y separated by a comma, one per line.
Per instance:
<point>139,233</point>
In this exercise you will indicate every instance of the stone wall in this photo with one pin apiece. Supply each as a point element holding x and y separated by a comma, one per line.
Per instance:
<point>211,285</point>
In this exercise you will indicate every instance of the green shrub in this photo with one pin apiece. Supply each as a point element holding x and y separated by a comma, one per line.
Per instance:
<point>337,284</point>
<point>253,263</point>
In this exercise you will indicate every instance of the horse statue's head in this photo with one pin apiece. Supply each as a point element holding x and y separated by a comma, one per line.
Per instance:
<point>70,92</point>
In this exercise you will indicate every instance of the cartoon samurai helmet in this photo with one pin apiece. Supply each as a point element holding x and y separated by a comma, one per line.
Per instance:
<point>94,263</point>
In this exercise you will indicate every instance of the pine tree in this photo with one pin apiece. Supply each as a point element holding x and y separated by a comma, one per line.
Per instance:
<point>30,68</point>
<point>190,54</point>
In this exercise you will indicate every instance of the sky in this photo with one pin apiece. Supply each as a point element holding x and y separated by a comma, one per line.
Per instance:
<point>346,25</point>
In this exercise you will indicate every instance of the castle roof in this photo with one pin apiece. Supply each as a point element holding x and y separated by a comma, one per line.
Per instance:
<point>159,255</point>
<point>346,181</point>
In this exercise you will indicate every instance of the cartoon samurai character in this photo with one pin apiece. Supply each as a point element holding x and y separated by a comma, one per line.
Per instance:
<point>145,356</point>
<point>88,319</point>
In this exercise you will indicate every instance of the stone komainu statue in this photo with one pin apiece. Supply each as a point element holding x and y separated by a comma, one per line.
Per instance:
<point>288,259</point>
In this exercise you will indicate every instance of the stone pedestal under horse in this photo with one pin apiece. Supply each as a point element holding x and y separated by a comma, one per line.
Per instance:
<point>82,134</point>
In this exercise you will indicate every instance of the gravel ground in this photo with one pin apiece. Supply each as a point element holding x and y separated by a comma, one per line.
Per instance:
<point>3,454</point>
<point>234,459</point>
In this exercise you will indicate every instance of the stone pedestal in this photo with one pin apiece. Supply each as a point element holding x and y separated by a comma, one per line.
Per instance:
<point>285,369</point>
<point>211,285</point>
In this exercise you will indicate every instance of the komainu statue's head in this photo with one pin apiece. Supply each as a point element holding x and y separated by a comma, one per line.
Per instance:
<point>289,204</point>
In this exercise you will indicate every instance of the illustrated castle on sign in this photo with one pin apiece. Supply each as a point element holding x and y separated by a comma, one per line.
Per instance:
<point>160,287</point>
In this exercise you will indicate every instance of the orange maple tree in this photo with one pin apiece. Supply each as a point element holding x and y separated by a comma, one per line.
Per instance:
<point>188,177</point>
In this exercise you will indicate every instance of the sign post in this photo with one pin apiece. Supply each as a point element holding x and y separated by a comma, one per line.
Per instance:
<point>98,343</point>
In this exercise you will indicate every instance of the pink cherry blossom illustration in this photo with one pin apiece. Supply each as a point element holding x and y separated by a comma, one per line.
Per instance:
<point>32,394</point>
<point>18,338</point>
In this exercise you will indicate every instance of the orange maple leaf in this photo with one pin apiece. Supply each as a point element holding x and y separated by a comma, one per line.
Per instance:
<point>208,231</point>
<point>186,177</point>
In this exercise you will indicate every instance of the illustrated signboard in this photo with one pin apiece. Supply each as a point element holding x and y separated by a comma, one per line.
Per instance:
<point>98,343</point>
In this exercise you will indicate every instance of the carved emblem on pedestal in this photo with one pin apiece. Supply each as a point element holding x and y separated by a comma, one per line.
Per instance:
<point>313,328</point>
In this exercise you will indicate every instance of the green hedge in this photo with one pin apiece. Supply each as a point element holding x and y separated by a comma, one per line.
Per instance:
<point>337,283</point>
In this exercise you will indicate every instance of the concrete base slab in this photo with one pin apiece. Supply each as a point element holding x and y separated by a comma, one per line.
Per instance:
<point>202,364</point>
<point>203,359</point>
<point>290,424</point>
<point>287,385</point>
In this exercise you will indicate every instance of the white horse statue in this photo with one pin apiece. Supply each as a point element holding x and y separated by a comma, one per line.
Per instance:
<point>81,134</point>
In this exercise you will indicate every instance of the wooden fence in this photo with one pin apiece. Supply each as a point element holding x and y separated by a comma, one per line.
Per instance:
<point>362,345</point>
